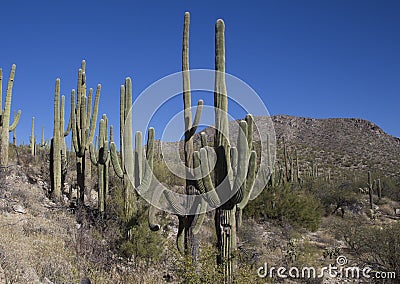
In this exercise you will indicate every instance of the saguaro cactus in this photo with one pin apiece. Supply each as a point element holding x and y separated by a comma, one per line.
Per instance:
<point>58,149</point>
<point>83,129</point>
<point>370,191</point>
<point>130,168</point>
<point>5,126</point>
<point>234,169</point>
<point>379,189</point>
<point>32,140</point>
<point>187,223</point>
<point>101,159</point>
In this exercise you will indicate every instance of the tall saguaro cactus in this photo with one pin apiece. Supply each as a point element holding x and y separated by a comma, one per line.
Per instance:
<point>83,122</point>
<point>32,140</point>
<point>58,148</point>
<point>101,159</point>
<point>5,126</point>
<point>136,174</point>
<point>235,168</point>
<point>187,223</point>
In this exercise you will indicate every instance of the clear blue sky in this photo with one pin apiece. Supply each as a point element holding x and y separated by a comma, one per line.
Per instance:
<point>306,58</point>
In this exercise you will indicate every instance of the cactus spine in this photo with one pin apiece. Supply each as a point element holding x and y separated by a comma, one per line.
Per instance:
<point>130,168</point>
<point>101,159</point>
<point>83,123</point>
<point>5,126</point>
<point>237,166</point>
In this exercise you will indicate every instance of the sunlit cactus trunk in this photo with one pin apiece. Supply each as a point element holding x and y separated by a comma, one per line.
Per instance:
<point>32,140</point>
<point>58,148</point>
<point>187,223</point>
<point>5,126</point>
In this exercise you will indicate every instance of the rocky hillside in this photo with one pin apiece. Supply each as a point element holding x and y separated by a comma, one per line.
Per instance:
<point>336,143</point>
<point>343,142</point>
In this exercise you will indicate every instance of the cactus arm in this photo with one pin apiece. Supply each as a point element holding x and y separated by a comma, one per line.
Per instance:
<point>197,117</point>
<point>251,174</point>
<point>111,133</point>
<point>89,104</point>
<point>234,160</point>
<point>115,162</point>
<point>93,157</point>
<point>16,120</point>
<point>200,218</point>
<point>127,132</point>
<point>250,128</point>
<point>95,113</point>
<point>69,126</point>
<point>148,171</point>
<point>150,146</point>
<point>83,121</point>
<point>104,155</point>
<point>197,172</point>
<point>73,122</point>
<point>213,197</point>
<point>242,165</point>
<point>79,96</point>
<point>138,158</point>
<point>121,121</point>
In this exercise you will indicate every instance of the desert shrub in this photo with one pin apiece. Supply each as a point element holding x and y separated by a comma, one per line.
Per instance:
<point>144,246</point>
<point>297,208</point>
<point>207,271</point>
<point>343,197</point>
<point>164,175</point>
<point>377,246</point>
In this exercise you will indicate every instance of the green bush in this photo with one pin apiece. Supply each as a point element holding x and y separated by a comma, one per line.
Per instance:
<point>206,270</point>
<point>294,207</point>
<point>377,246</point>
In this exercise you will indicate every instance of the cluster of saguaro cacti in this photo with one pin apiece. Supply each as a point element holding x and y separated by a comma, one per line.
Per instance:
<point>58,148</point>
<point>235,168</point>
<point>5,126</point>
<point>288,170</point>
<point>83,122</point>
<point>136,174</point>
<point>101,159</point>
